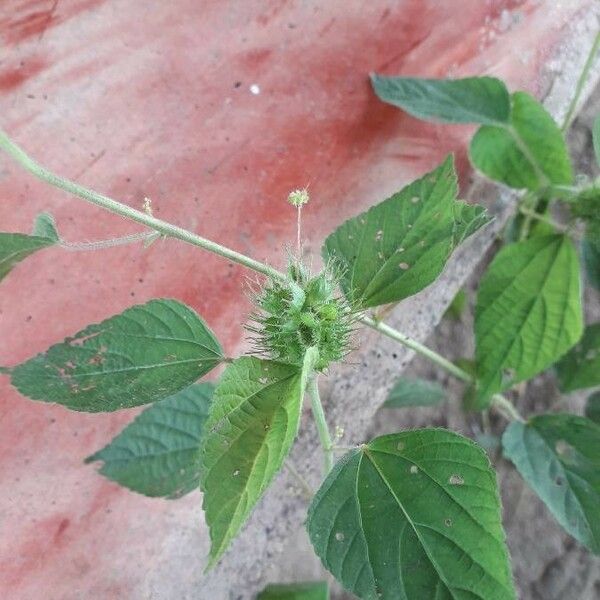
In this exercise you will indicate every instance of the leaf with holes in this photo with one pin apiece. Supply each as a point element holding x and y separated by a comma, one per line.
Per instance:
<point>142,355</point>
<point>158,454</point>
<point>15,247</point>
<point>317,590</point>
<point>414,392</point>
<point>413,515</point>
<point>482,100</point>
<point>580,368</point>
<point>401,245</point>
<point>253,422</point>
<point>528,312</point>
<point>530,152</point>
<point>558,455</point>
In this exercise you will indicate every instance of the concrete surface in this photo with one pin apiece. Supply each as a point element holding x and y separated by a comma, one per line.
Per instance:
<point>159,99</point>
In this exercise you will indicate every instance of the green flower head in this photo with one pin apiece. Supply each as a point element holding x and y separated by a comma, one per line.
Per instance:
<point>301,312</point>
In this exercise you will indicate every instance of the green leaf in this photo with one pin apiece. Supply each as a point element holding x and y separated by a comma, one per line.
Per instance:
<point>296,591</point>
<point>528,312</point>
<point>481,100</point>
<point>529,153</point>
<point>45,226</point>
<point>590,254</point>
<point>142,355</point>
<point>413,515</point>
<point>252,424</point>
<point>414,392</point>
<point>559,457</point>
<point>580,368</point>
<point>15,247</point>
<point>586,205</point>
<point>401,245</point>
<point>596,138</point>
<point>158,454</point>
<point>592,408</point>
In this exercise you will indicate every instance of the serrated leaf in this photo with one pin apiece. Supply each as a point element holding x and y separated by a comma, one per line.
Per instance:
<point>142,355</point>
<point>252,425</point>
<point>158,454</point>
<point>580,367</point>
<point>528,312</point>
<point>414,392</point>
<point>45,226</point>
<point>15,247</point>
<point>530,152</point>
<point>596,138</point>
<point>401,245</point>
<point>317,590</point>
<point>413,515</point>
<point>592,408</point>
<point>482,100</point>
<point>558,455</point>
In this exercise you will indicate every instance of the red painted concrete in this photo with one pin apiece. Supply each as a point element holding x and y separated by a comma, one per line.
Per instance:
<point>153,99</point>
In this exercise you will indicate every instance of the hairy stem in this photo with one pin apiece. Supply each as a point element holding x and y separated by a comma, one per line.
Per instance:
<point>321,423</point>
<point>130,213</point>
<point>506,408</point>
<point>532,214</point>
<point>581,83</point>
<point>147,236</point>
<point>503,405</point>
<point>169,230</point>
<point>417,347</point>
<point>308,492</point>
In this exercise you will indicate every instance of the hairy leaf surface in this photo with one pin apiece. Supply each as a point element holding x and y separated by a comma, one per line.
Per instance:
<point>317,590</point>
<point>158,454</point>
<point>528,312</point>
<point>401,245</point>
<point>530,152</point>
<point>414,392</point>
<point>483,100</point>
<point>580,367</point>
<point>144,354</point>
<point>413,515</point>
<point>559,457</point>
<point>252,424</point>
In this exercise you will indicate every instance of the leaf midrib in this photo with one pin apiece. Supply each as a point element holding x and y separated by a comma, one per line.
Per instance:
<point>410,521</point>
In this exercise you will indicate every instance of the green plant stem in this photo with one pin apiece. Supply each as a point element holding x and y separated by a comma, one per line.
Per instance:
<point>499,402</point>
<point>531,214</point>
<point>506,408</point>
<point>308,491</point>
<point>417,347</point>
<point>321,423</point>
<point>581,83</point>
<point>176,232</point>
<point>101,244</point>
<point>130,213</point>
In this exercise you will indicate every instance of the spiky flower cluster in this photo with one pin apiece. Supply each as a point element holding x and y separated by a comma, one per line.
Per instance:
<point>301,312</point>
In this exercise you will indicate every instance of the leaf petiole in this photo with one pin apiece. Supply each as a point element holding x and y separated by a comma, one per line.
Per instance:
<point>320,422</point>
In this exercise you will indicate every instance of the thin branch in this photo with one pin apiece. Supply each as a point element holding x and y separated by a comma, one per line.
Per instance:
<point>123,210</point>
